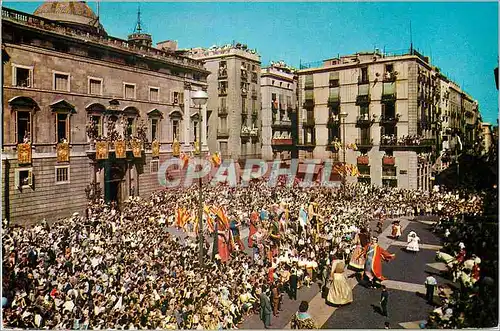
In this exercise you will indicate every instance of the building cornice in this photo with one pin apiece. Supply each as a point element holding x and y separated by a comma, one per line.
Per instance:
<point>108,64</point>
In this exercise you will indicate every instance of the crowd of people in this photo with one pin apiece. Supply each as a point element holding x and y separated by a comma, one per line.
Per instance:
<point>124,269</point>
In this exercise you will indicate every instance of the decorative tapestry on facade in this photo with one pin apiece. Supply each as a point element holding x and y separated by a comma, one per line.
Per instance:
<point>120,149</point>
<point>155,148</point>
<point>63,152</point>
<point>24,153</point>
<point>101,150</point>
<point>136,148</point>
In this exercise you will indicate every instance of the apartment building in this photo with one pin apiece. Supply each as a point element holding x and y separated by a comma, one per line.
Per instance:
<point>377,111</point>
<point>83,107</point>
<point>279,111</point>
<point>234,103</point>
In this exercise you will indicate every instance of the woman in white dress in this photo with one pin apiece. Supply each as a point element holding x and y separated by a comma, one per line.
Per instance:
<point>413,242</point>
<point>340,292</point>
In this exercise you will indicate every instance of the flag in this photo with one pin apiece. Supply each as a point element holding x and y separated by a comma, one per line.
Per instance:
<point>354,170</point>
<point>181,217</point>
<point>303,216</point>
<point>223,220</point>
<point>215,159</point>
<point>184,158</point>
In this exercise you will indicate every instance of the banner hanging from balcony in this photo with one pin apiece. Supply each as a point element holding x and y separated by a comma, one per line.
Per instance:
<point>176,148</point>
<point>101,150</point>
<point>63,152</point>
<point>136,148</point>
<point>155,148</point>
<point>24,153</point>
<point>120,149</point>
<point>346,169</point>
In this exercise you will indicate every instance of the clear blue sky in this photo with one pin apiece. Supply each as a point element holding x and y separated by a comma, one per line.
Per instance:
<point>461,38</point>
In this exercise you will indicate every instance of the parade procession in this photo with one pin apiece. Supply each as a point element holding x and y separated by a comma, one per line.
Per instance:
<point>138,267</point>
<point>160,173</point>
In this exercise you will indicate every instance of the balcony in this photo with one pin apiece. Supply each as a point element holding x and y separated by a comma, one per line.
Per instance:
<point>333,101</point>
<point>389,119</point>
<point>363,160</point>
<point>390,76</point>
<point>222,73</point>
<point>363,99</point>
<point>222,111</point>
<point>388,160</point>
<point>406,143</point>
<point>222,133</point>
<point>254,77</point>
<point>244,75</point>
<point>281,124</point>
<point>364,120</point>
<point>281,142</point>
<point>388,97</point>
<point>364,143</point>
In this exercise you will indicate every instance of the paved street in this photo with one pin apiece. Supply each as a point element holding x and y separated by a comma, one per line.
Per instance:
<point>406,275</point>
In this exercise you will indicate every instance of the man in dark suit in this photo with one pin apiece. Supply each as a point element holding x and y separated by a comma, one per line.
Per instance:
<point>293,284</point>
<point>265,307</point>
<point>384,297</point>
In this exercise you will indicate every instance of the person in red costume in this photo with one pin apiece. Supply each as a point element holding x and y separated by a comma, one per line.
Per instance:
<point>253,227</point>
<point>461,254</point>
<point>223,241</point>
<point>374,255</point>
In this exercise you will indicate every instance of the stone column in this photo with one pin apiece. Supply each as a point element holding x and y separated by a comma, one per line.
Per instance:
<point>187,109</point>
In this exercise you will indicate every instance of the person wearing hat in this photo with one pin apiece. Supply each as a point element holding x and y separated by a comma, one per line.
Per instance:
<point>396,230</point>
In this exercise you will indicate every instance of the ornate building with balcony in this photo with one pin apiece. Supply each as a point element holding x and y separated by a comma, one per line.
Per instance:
<point>392,108</point>
<point>85,112</point>
<point>234,103</point>
<point>279,105</point>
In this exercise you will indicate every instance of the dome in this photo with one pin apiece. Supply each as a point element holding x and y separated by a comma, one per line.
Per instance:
<point>75,13</point>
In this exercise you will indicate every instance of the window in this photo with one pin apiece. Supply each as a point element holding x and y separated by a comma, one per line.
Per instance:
<point>334,83</point>
<point>97,120</point>
<point>22,76</point>
<point>390,182</point>
<point>62,127</point>
<point>389,171</point>
<point>176,96</point>
<point>154,166</point>
<point>389,67</point>
<point>154,129</point>
<point>254,105</point>
<point>62,175</point>
<point>364,170</point>
<point>365,136</point>
<point>195,130</point>
<point>154,94</point>
<point>365,180</point>
<point>61,81</point>
<point>95,86</point>
<point>23,126</point>
<point>288,101</point>
<point>128,91</point>
<point>364,75</point>
<point>243,106</point>
<point>175,129</point>
<point>223,124</point>
<point>24,178</point>
<point>130,127</point>
<point>363,110</point>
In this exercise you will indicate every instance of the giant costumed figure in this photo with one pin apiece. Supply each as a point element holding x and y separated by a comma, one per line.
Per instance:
<point>374,255</point>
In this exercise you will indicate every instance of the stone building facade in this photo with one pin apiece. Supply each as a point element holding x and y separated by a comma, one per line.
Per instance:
<point>379,112</point>
<point>70,92</point>
<point>234,103</point>
<point>279,112</point>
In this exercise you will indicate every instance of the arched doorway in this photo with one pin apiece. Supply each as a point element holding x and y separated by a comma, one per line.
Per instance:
<point>114,177</point>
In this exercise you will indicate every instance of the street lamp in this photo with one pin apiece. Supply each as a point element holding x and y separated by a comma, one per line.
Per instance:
<point>199,99</point>
<point>343,116</point>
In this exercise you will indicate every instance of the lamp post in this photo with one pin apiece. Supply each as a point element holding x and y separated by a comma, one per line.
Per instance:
<point>343,116</point>
<point>199,99</point>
